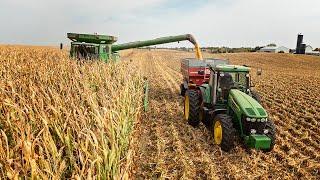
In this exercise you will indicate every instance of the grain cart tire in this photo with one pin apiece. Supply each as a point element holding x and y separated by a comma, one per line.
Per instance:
<point>271,133</point>
<point>192,103</point>
<point>256,96</point>
<point>224,132</point>
<point>182,90</point>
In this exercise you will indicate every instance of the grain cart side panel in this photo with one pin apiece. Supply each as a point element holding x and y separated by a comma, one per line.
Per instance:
<point>191,67</point>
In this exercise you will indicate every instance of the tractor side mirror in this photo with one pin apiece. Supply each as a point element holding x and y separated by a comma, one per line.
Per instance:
<point>259,71</point>
<point>201,72</point>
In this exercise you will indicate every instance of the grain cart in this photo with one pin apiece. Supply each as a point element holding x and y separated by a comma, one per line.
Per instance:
<point>228,107</point>
<point>94,46</point>
<point>190,69</point>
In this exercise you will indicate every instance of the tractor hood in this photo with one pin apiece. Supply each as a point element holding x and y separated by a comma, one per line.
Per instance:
<point>245,103</point>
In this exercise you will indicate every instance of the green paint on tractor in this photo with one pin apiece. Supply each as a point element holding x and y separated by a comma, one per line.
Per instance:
<point>231,68</point>
<point>246,104</point>
<point>258,141</point>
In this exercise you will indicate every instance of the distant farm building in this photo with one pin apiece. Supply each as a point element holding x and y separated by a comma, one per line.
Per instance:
<point>275,49</point>
<point>310,51</point>
<point>301,47</point>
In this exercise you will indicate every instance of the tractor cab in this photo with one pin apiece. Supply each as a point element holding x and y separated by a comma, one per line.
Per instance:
<point>223,78</point>
<point>227,77</point>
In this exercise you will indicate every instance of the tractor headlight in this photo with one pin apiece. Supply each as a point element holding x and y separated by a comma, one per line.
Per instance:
<point>248,119</point>
<point>258,120</point>
<point>253,120</point>
<point>253,131</point>
<point>263,119</point>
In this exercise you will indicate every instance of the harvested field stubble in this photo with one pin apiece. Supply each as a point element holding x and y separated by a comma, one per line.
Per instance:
<point>290,90</point>
<point>61,119</point>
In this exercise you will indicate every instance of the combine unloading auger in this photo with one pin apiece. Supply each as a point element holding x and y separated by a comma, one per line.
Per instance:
<point>93,46</point>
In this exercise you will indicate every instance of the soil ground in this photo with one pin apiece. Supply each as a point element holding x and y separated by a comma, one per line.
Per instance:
<point>167,147</point>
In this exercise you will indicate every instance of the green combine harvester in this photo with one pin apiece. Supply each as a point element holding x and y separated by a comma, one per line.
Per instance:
<point>102,47</point>
<point>220,95</point>
<point>94,46</point>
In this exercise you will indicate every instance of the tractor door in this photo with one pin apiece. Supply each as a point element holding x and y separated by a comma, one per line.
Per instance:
<point>225,83</point>
<point>213,83</point>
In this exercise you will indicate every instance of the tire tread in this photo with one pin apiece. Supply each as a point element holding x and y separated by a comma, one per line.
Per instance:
<point>194,106</point>
<point>228,131</point>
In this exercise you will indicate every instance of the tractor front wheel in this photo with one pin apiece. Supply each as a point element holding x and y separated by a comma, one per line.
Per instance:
<point>271,133</point>
<point>224,132</point>
<point>192,103</point>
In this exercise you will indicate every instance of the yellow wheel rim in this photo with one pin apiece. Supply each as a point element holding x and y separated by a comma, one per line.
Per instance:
<point>217,132</point>
<point>186,107</point>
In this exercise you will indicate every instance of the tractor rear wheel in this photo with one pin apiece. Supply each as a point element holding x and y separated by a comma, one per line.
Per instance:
<point>271,133</point>
<point>192,105</point>
<point>224,132</point>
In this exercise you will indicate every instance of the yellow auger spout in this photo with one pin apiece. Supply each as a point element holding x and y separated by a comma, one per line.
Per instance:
<point>196,46</point>
<point>198,51</point>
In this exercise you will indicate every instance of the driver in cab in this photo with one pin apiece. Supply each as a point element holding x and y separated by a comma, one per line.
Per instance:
<point>225,83</point>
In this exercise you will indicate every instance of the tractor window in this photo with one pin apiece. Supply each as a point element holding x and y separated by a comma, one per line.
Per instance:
<point>231,80</point>
<point>225,83</point>
<point>242,79</point>
<point>226,80</point>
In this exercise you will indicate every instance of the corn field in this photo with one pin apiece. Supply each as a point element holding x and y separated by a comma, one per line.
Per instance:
<point>83,120</point>
<point>64,119</point>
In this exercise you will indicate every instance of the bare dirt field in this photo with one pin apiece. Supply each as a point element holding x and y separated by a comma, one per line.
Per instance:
<point>167,147</point>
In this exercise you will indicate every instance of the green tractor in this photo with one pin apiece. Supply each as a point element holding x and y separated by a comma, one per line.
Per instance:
<point>228,106</point>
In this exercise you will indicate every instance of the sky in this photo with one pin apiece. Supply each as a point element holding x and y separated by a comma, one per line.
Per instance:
<point>233,23</point>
